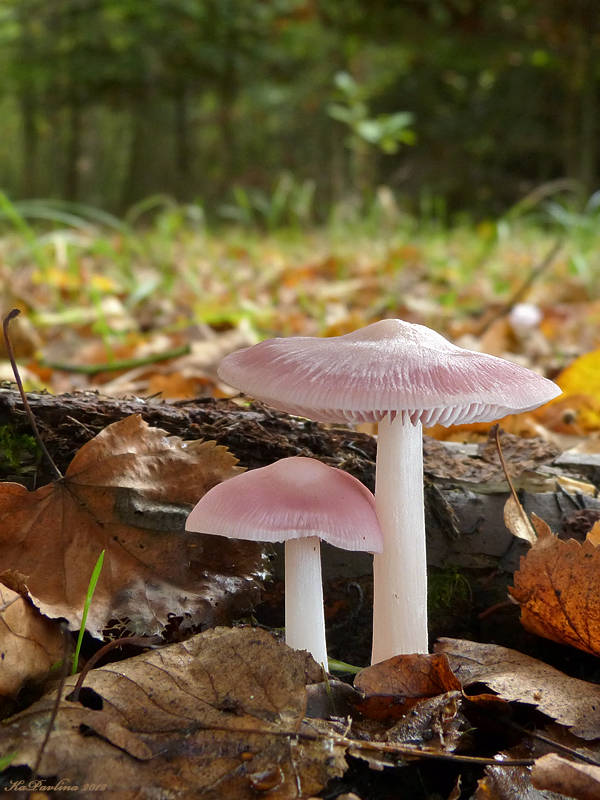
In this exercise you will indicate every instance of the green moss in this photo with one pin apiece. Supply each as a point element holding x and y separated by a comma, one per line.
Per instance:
<point>448,589</point>
<point>18,451</point>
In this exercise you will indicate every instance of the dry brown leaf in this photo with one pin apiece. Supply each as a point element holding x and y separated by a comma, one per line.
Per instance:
<point>517,521</point>
<point>217,716</point>
<point>515,676</point>
<point>391,687</point>
<point>510,783</point>
<point>558,590</point>
<point>570,778</point>
<point>29,643</point>
<point>593,536</point>
<point>118,495</point>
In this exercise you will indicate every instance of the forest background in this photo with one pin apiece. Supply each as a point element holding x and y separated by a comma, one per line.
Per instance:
<point>454,105</point>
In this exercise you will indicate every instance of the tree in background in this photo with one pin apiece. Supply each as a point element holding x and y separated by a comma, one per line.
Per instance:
<point>108,101</point>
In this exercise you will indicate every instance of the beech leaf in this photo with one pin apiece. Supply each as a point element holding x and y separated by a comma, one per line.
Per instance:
<point>558,590</point>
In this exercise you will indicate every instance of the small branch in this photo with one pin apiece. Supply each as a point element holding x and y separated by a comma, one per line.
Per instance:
<point>138,641</point>
<point>518,295</point>
<point>115,366</point>
<point>61,685</point>
<point>522,512</point>
<point>11,355</point>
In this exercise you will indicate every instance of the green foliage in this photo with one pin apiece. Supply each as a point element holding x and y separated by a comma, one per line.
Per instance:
<point>86,607</point>
<point>385,131</point>
<point>114,101</point>
<point>289,204</point>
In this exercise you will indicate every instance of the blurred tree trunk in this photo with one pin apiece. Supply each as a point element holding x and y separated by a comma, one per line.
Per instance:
<point>29,109</point>
<point>73,149</point>
<point>182,141</point>
<point>227,92</point>
<point>588,157</point>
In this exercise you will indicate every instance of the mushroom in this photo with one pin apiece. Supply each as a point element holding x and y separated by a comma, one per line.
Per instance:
<point>299,501</point>
<point>403,376</point>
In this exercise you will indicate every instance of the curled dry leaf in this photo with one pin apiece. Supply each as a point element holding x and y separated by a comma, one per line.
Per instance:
<point>558,590</point>
<point>29,643</point>
<point>392,687</point>
<point>517,677</point>
<point>570,778</point>
<point>217,716</point>
<point>517,521</point>
<point>127,491</point>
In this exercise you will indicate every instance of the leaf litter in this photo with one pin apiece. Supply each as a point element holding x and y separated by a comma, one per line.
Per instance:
<point>219,715</point>
<point>127,491</point>
<point>570,418</point>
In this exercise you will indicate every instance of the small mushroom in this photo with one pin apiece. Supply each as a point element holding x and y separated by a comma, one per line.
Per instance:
<point>297,501</point>
<point>404,376</point>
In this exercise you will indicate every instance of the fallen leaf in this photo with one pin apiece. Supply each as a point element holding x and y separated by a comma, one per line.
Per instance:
<point>581,379</point>
<point>392,687</point>
<point>29,643</point>
<point>217,716</point>
<point>517,677</point>
<point>127,491</point>
<point>570,778</point>
<point>593,536</point>
<point>509,783</point>
<point>517,521</point>
<point>558,590</point>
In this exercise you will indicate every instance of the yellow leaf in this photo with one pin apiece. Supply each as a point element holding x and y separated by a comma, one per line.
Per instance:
<point>581,379</point>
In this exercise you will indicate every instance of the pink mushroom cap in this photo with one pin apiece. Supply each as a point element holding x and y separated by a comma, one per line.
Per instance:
<point>389,367</point>
<point>290,499</point>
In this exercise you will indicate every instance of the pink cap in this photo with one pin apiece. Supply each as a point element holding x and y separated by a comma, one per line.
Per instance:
<point>290,499</point>
<point>389,367</point>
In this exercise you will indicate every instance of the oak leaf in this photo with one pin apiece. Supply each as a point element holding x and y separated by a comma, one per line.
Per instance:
<point>127,491</point>
<point>558,590</point>
<point>219,715</point>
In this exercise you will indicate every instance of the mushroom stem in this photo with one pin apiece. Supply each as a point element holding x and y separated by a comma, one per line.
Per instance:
<point>304,615</point>
<point>400,571</point>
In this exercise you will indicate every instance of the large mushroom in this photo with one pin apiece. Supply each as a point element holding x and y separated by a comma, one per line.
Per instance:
<point>299,501</point>
<point>403,376</point>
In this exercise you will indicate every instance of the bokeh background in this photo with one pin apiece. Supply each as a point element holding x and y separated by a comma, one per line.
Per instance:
<point>276,110</point>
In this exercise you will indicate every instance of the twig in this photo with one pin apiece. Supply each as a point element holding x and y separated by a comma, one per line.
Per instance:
<point>139,641</point>
<point>11,355</point>
<point>522,512</point>
<point>61,685</point>
<point>547,740</point>
<point>115,366</point>
<point>522,290</point>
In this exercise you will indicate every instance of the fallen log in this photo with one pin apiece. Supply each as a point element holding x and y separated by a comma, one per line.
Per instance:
<point>470,551</point>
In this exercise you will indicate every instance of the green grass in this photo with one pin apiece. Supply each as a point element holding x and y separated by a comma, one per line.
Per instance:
<point>86,607</point>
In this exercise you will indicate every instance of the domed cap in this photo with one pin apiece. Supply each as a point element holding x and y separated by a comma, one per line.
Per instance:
<point>290,499</point>
<point>390,367</point>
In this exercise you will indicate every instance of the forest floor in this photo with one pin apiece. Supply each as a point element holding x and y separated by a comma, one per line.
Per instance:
<point>148,313</point>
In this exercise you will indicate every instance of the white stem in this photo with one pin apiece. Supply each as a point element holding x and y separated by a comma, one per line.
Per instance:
<point>400,571</point>
<point>304,615</point>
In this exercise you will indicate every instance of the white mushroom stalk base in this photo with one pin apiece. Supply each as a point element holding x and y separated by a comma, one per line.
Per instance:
<point>400,571</point>
<point>304,615</point>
